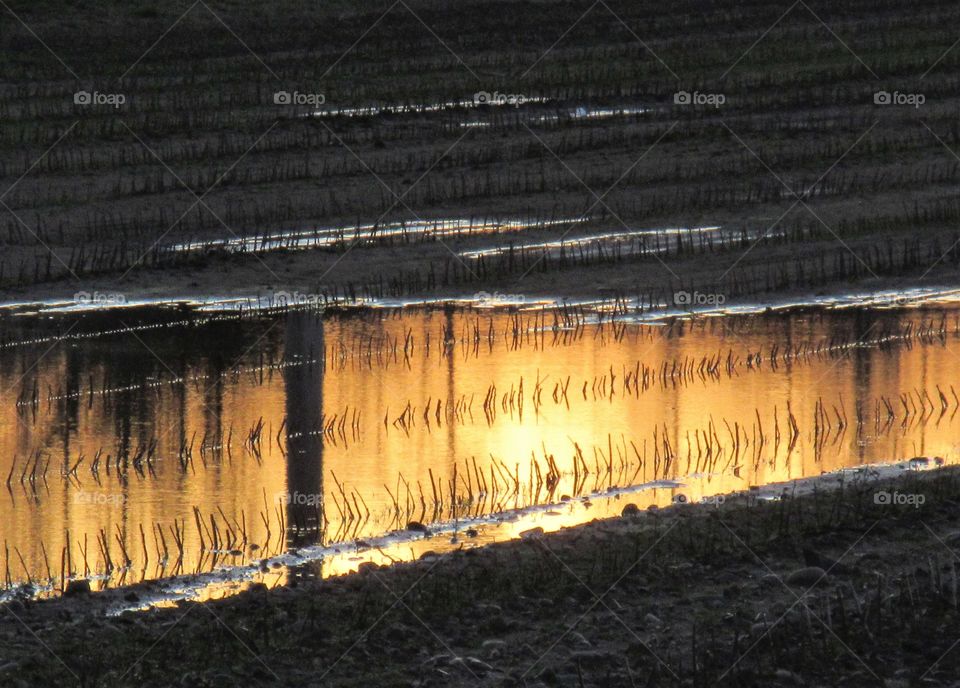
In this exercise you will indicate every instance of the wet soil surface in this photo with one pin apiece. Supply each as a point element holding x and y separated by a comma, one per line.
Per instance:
<point>849,587</point>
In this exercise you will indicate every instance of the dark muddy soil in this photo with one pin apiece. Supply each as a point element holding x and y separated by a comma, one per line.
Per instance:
<point>830,588</point>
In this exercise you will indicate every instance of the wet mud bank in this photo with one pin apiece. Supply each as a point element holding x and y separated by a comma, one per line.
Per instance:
<point>854,585</point>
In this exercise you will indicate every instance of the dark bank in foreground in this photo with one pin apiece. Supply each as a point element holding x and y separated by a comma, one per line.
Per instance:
<point>852,586</point>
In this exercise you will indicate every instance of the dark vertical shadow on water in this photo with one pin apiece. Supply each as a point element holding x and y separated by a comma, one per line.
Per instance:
<point>672,351</point>
<point>790,337</point>
<point>303,386</point>
<point>863,381</point>
<point>451,434</point>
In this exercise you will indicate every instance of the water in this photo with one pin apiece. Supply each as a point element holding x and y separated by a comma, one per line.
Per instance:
<point>572,114</point>
<point>505,111</point>
<point>419,108</point>
<point>344,237</point>
<point>241,438</point>
<point>625,243</point>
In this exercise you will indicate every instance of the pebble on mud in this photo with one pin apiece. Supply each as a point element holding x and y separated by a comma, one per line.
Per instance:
<point>630,510</point>
<point>770,580</point>
<point>789,677</point>
<point>472,664</point>
<point>494,648</point>
<point>809,575</point>
<point>367,566</point>
<point>417,527</point>
<point>77,587</point>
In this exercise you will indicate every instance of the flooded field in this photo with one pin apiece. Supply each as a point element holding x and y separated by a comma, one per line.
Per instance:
<point>504,110</point>
<point>155,443</point>
<point>633,242</point>
<point>387,232</point>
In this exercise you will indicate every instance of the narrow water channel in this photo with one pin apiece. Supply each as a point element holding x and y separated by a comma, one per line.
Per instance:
<point>149,444</point>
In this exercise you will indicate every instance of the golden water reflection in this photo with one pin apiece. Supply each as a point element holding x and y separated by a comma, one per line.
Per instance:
<point>181,449</point>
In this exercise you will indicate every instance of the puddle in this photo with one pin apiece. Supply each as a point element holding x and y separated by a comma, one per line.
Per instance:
<point>346,236</point>
<point>509,110</point>
<point>573,114</point>
<point>633,242</point>
<point>624,309</point>
<point>153,445</point>
<point>491,101</point>
<point>632,311</point>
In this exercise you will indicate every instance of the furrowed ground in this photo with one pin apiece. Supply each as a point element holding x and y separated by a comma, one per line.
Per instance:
<point>823,183</point>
